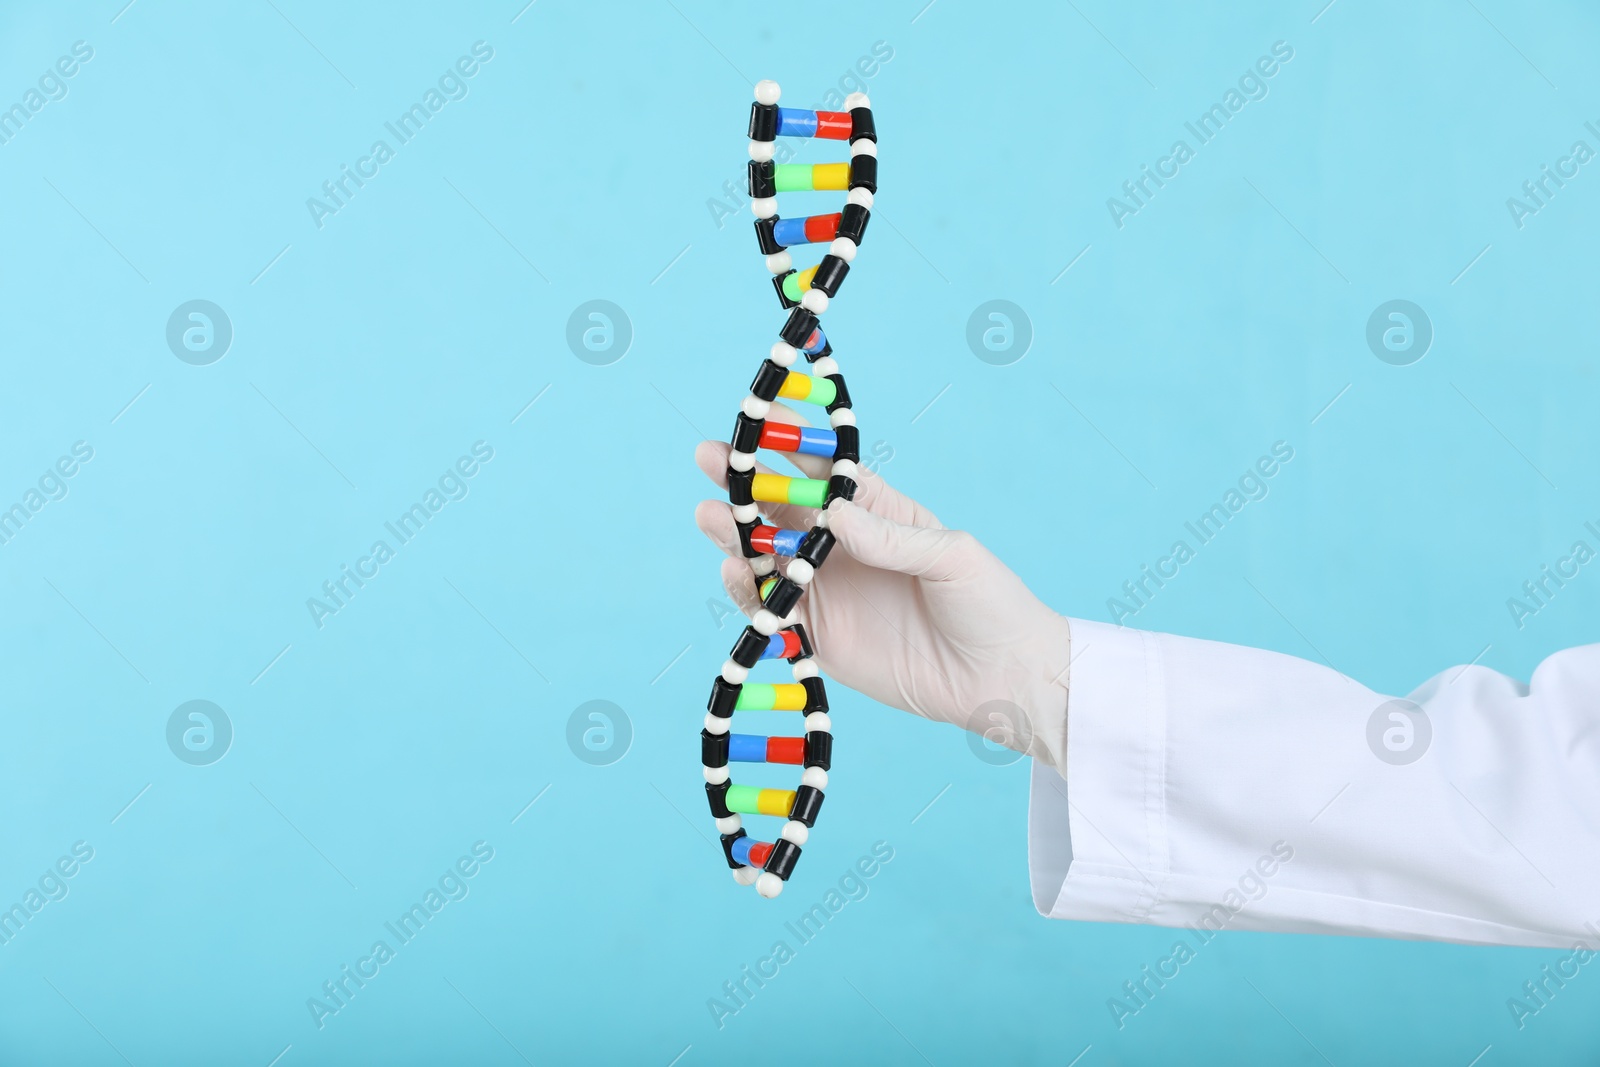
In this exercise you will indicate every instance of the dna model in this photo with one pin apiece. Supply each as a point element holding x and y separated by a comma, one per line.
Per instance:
<point>773,632</point>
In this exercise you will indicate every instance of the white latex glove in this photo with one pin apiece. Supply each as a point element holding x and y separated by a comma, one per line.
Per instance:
<point>911,614</point>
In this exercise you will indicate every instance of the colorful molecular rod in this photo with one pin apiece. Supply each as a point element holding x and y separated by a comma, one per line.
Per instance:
<point>773,632</point>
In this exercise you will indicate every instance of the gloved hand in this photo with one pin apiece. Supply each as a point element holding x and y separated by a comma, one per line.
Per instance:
<point>911,614</point>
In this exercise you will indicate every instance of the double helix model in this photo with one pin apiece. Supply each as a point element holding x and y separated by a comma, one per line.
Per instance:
<point>773,632</point>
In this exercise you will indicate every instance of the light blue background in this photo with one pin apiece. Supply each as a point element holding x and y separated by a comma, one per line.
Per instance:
<point>371,353</point>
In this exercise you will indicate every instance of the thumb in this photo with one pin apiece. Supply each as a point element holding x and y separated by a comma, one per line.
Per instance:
<point>938,555</point>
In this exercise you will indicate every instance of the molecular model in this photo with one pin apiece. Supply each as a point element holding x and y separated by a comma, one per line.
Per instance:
<point>773,632</point>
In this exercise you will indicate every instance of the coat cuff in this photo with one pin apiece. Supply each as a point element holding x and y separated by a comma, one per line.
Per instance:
<point>1097,851</point>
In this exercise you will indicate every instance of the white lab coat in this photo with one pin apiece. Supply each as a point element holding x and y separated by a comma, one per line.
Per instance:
<point>1218,787</point>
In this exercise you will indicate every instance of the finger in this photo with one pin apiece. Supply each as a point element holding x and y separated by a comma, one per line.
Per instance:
<point>880,498</point>
<point>810,466</point>
<point>715,520</point>
<point>741,586</point>
<point>712,458</point>
<point>939,555</point>
<point>872,492</point>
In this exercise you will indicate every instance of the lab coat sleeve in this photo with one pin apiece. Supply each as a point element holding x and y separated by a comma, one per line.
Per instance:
<point>1218,787</point>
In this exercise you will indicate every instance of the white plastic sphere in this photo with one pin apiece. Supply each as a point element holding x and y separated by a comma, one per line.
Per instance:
<point>825,366</point>
<point>806,668</point>
<point>800,572</point>
<point>716,776</point>
<point>859,147</point>
<point>765,623</point>
<point>817,722</point>
<point>768,92</point>
<point>745,875</point>
<point>859,197</point>
<point>764,207</point>
<point>750,512</point>
<point>741,461</point>
<point>716,724</point>
<point>784,354</point>
<point>854,100</point>
<point>761,151</point>
<point>815,301</point>
<point>769,885</point>
<point>730,825</point>
<point>844,248</point>
<point>815,777</point>
<point>795,831</point>
<point>842,417</point>
<point>734,674</point>
<point>779,262</point>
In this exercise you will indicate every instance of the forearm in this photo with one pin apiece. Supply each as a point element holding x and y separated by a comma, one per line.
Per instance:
<point>1234,788</point>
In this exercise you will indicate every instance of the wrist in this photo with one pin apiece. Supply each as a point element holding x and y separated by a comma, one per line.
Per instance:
<point>1047,697</point>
